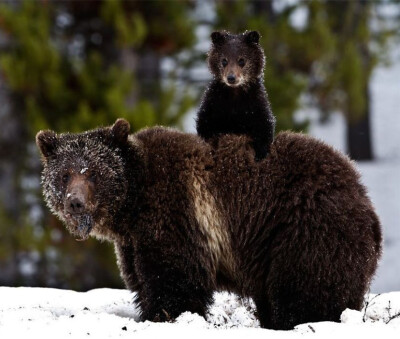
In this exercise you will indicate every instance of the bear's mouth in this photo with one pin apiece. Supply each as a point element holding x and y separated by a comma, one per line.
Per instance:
<point>238,83</point>
<point>85,225</point>
<point>80,226</point>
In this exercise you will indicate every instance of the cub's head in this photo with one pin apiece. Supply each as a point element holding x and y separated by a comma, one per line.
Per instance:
<point>236,59</point>
<point>84,178</point>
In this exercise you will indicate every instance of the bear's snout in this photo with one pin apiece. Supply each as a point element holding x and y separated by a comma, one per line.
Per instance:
<point>75,205</point>
<point>78,196</point>
<point>231,78</point>
<point>78,207</point>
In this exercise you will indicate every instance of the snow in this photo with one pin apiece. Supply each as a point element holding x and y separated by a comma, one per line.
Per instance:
<point>108,313</point>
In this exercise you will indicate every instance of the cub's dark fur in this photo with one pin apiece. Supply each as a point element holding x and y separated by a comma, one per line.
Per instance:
<point>295,232</point>
<point>235,100</point>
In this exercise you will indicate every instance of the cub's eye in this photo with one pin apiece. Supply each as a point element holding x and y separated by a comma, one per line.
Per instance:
<point>224,62</point>
<point>92,177</point>
<point>65,178</point>
<point>241,62</point>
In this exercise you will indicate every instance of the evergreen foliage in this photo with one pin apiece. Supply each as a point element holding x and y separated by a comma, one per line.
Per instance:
<point>72,90</point>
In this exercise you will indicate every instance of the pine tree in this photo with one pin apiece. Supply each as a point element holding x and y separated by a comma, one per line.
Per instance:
<point>360,43</point>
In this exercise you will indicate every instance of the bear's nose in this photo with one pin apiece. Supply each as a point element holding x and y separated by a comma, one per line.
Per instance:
<point>231,78</point>
<point>75,206</point>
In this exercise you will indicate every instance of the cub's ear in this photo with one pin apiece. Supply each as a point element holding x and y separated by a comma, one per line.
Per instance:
<point>218,38</point>
<point>120,131</point>
<point>252,37</point>
<point>47,142</point>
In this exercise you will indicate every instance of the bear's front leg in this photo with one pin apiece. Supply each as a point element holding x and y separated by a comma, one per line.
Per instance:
<point>171,282</point>
<point>126,264</point>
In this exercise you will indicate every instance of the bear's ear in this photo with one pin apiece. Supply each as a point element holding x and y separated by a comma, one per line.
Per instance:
<point>218,38</point>
<point>47,142</point>
<point>252,37</point>
<point>120,131</point>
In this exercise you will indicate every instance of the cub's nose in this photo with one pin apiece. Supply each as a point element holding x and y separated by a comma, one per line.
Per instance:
<point>231,78</point>
<point>75,206</point>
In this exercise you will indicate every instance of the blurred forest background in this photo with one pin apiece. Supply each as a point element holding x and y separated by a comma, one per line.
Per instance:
<point>75,65</point>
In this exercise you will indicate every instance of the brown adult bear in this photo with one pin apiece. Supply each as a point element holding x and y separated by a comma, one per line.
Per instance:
<point>296,231</point>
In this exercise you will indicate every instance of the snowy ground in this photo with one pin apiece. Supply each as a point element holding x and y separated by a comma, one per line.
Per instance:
<point>106,313</point>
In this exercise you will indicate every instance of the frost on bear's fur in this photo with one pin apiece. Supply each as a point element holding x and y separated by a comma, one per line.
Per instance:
<point>235,101</point>
<point>295,231</point>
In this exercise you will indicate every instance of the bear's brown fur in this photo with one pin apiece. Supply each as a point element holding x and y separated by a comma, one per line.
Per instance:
<point>296,231</point>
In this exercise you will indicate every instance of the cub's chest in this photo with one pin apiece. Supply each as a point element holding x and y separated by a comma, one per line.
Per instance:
<point>237,105</point>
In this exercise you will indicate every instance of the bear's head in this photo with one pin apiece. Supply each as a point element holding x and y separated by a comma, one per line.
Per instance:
<point>236,59</point>
<point>84,177</point>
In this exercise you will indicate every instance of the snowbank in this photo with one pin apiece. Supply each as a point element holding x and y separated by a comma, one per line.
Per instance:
<point>107,313</point>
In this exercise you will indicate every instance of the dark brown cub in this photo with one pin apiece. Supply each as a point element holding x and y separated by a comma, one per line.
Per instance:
<point>236,101</point>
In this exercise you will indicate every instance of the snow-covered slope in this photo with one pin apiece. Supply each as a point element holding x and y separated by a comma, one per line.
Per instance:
<point>105,313</point>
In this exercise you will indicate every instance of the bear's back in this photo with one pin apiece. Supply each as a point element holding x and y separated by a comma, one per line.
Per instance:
<point>303,203</point>
<point>303,206</point>
<point>299,171</point>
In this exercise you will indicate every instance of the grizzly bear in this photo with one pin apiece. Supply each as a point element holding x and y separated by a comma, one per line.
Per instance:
<point>235,101</point>
<point>296,232</point>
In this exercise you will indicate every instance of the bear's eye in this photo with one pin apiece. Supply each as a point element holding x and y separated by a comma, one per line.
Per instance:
<point>241,62</point>
<point>92,177</point>
<point>224,62</point>
<point>65,178</point>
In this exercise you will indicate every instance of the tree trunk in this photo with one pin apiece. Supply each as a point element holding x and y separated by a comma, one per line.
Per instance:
<point>359,143</point>
<point>264,7</point>
<point>13,139</point>
<point>148,73</point>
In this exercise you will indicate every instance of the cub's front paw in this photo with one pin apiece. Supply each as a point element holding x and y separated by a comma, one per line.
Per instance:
<point>260,154</point>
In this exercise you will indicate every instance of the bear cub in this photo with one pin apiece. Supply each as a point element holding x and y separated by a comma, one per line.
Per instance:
<point>236,101</point>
